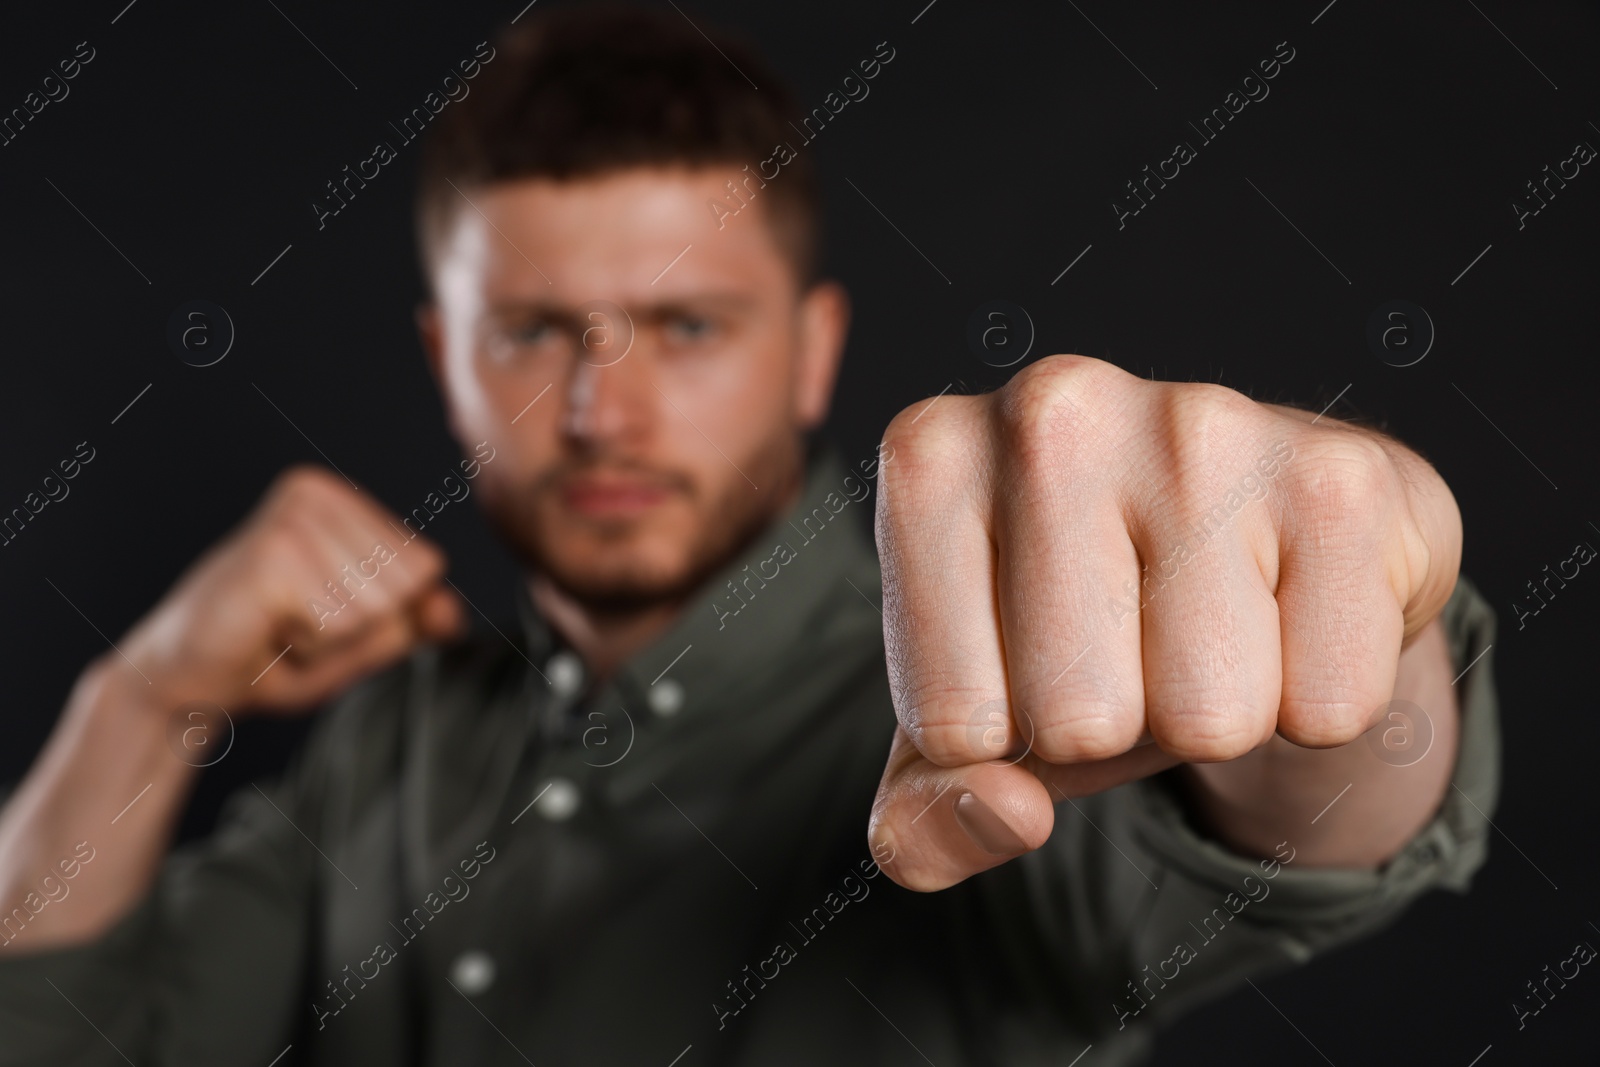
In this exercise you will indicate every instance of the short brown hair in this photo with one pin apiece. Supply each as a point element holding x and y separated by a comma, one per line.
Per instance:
<point>581,92</point>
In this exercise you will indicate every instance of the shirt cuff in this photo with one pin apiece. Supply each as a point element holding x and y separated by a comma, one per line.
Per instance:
<point>1319,906</point>
<point>52,1002</point>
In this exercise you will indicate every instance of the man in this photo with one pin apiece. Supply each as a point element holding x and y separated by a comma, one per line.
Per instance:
<point>1139,639</point>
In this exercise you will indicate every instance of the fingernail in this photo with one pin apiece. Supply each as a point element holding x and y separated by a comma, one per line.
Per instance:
<point>987,830</point>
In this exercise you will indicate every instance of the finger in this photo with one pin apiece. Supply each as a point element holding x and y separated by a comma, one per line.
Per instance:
<point>1085,779</point>
<point>398,570</point>
<point>417,565</point>
<point>363,571</point>
<point>303,542</point>
<point>941,633</point>
<point>1428,538</point>
<point>439,614</point>
<point>317,671</point>
<point>1212,667</point>
<point>1068,572</point>
<point>410,580</point>
<point>944,824</point>
<point>1068,597</point>
<point>1341,606</point>
<point>323,596</point>
<point>365,567</point>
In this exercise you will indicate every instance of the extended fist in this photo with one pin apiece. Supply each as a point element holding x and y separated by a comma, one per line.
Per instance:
<point>1090,577</point>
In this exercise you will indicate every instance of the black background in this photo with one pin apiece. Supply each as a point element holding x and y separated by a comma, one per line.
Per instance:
<point>1395,141</point>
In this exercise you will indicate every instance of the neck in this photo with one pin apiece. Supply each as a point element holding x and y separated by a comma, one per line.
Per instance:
<point>606,638</point>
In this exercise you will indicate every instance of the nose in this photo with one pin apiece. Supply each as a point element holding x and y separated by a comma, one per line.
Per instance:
<point>606,405</point>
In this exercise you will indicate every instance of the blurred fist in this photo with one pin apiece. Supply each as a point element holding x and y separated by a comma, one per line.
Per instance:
<point>320,569</point>
<point>1090,577</point>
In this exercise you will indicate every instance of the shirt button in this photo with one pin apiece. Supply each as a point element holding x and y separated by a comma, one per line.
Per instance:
<point>665,697</point>
<point>559,800</point>
<point>565,672</point>
<point>472,972</point>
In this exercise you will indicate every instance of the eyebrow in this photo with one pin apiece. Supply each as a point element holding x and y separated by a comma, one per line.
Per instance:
<point>654,309</point>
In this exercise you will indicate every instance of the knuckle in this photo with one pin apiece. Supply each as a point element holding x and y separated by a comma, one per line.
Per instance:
<point>936,721</point>
<point>1346,472</point>
<point>280,545</point>
<point>918,417</point>
<point>1347,485</point>
<point>931,446</point>
<point>1046,400</point>
<point>1205,423</point>
<point>1027,408</point>
<point>280,553</point>
<point>1079,718</point>
<point>1086,733</point>
<point>429,560</point>
<point>1208,729</point>
<point>378,596</point>
<point>945,742</point>
<point>301,480</point>
<point>1072,373</point>
<point>1036,440</point>
<point>1350,483</point>
<point>1322,723</point>
<point>298,497</point>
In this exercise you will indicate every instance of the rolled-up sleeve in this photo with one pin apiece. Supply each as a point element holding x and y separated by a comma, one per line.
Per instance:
<point>208,966</point>
<point>1130,914</point>
<point>1306,909</point>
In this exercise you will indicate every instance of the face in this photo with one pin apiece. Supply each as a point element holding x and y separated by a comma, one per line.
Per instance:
<point>644,375</point>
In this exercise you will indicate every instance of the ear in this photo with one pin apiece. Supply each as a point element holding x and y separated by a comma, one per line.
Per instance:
<point>431,333</point>
<point>824,320</point>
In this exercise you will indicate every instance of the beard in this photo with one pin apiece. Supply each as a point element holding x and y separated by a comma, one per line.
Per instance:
<point>617,566</point>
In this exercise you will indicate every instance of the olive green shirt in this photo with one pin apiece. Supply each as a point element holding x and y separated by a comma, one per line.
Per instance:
<point>482,857</point>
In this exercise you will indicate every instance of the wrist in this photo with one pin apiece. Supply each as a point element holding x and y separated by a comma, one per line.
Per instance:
<point>111,681</point>
<point>124,718</point>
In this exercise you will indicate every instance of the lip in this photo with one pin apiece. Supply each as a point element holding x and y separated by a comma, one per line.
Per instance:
<point>611,498</point>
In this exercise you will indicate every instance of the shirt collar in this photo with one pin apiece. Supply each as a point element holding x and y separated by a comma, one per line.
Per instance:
<point>766,599</point>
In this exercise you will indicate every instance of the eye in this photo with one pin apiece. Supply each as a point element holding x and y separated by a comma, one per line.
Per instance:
<point>510,342</point>
<point>689,329</point>
<point>535,333</point>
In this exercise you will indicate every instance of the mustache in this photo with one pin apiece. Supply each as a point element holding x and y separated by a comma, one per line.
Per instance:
<point>566,471</point>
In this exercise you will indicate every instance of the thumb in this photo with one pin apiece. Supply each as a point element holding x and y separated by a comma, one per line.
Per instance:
<point>438,614</point>
<point>945,824</point>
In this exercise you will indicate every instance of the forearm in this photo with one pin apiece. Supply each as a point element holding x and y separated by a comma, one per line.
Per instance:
<point>1283,792</point>
<point>84,796</point>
